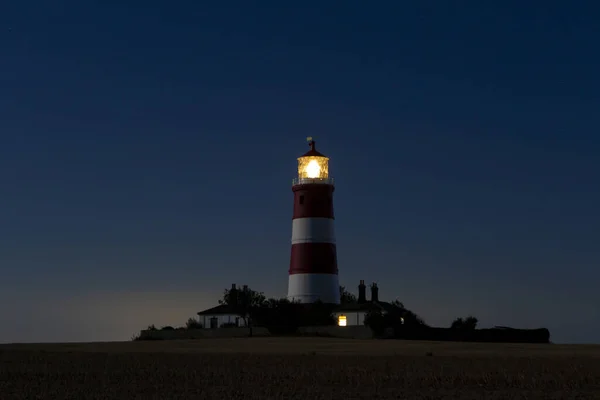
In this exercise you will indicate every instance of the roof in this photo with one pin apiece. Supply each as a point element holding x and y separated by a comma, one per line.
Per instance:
<point>222,309</point>
<point>369,306</point>
<point>312,152</point>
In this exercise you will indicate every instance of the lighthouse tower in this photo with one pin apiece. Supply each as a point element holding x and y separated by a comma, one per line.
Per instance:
<point>313,274</point>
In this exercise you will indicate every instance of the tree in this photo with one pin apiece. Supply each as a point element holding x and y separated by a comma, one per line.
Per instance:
<point>399,319</point>
<point>412,319</point>
<point>244,302</point>
<point>275,303</point>
<point>193,324</point>
<point>279,316</point>
<point>346,297</point>
<point>458,323</point>
<point>469,323</point>
<point>282,316</point>
<point>409,318</point>
<point>375,320</point>
<point>398,304</point>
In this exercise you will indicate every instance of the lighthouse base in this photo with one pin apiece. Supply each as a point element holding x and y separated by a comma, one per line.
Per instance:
<point>310,288</point>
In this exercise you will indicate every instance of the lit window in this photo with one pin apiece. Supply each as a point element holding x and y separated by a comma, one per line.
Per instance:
<point>342,320</point>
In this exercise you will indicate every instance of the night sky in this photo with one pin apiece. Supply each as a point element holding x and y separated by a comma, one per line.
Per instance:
<point>147,151</point>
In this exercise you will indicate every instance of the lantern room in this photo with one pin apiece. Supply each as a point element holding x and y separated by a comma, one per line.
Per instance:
<point>313,167</point>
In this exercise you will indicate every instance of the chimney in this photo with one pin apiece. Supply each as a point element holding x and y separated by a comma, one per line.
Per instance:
<point>245,289</point>
<point>374,292</point>
<point>362,292</point>
<point>233,295</point>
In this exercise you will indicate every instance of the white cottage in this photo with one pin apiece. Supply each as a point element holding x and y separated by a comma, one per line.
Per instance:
<point>224,315</point>
<point>220,316</point>
<point>353,314</point>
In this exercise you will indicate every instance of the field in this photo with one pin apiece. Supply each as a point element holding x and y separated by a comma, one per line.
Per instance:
<point>298,368</point>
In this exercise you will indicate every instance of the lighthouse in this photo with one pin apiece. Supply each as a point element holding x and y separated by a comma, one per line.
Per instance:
<point>313,273</point>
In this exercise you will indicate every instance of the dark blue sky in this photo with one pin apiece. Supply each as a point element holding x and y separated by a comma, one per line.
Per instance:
<point>147,151</point>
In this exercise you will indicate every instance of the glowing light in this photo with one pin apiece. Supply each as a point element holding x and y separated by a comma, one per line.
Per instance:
<point>342,320</point>
<point>313,169</point>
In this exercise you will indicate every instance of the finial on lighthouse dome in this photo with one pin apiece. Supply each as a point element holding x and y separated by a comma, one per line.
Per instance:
<point>313,150</point>
<point>313,166</point>
<point>311,142</point>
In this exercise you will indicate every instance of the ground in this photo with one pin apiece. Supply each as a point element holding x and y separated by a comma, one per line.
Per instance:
<point>298,368</point>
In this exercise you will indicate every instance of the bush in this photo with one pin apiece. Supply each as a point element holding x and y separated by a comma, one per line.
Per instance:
<point>469,323</point>
<point>193,324</point>
<point>376,321</point>
<point>229,325</point>
<point>138,338</point>
<point>380,322</point>
<point>282,317</point>
<point>422,332</point>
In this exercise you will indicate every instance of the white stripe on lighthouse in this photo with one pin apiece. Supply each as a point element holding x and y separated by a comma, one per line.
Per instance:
<point>313,230</point>
<point>309,288</point>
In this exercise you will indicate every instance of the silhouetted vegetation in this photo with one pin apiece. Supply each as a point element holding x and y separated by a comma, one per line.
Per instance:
<point>407,325</point>
<point>136,338</point>
<point>541,335</point>
<point>346,297</point>
<point>190,324</point>
<point>390,320</point>
<point>279,316</point>
<point>244,302</point>
<point>469,323</point>
<point>193,324</point>
<point>284,317</point>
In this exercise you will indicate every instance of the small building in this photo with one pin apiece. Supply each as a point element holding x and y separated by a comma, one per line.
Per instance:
<point>220,316</point>
<point>353,314</point>
<point>349,314</point>
<point>223,315</point>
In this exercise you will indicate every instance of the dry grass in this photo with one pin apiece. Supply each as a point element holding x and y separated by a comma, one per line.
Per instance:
<point>298,368</point>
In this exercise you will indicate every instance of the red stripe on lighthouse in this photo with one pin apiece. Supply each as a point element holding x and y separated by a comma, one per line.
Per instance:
<point>313,258</point>
<point>313,201</point>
